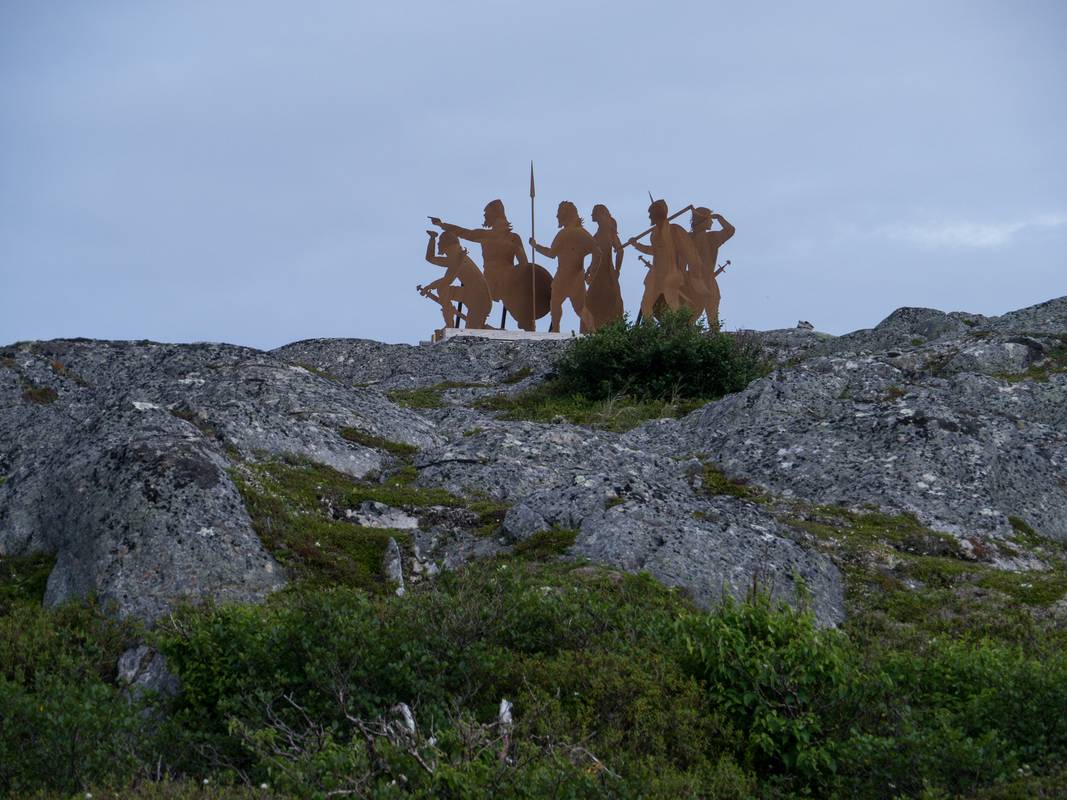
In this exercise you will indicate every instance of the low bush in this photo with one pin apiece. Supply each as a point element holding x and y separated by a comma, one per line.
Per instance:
<point>660,359</point>
<point>619,686</point>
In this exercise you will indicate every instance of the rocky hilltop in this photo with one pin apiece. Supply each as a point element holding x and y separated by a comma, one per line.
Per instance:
<point>146,468</point>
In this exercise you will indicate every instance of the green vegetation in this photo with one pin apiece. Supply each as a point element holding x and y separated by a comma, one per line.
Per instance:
<point>398,449</point>
<point>715,482</point>
<point>548,402</point>
<point>320,372</point>
<point>626,374</point>
<point>546,544</point>
<point>907,585</point>
<point>518,375</point>
<point>944,681</point>
<point>292,506</point>
<point>658,359</point>
<point>23,580</point>
<point>1053,364</point>
<point>619,687</point>
<point>427,396</point>
<point>490,515</point>
<point>63,721</point>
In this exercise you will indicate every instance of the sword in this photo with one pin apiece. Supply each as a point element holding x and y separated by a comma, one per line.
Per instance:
<point>437,299</point>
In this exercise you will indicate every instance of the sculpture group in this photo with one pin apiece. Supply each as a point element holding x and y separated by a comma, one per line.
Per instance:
<point>682,271</point>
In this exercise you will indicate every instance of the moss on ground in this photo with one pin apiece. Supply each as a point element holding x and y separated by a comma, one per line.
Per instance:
<point>716,482</point>
<point>398,449</point>
<point>546,403</point>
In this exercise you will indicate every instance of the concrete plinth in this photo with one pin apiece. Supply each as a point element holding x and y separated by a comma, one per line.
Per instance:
<point>441,334</point>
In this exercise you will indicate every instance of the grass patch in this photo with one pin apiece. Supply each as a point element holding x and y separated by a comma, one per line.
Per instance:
<point>320,372</point>
<point>715,482</point>
<point>1031,588</point>
<point>548,403</point>
<point>491,515</point>
<point>23,579</point>
<point>907,585</point>
<point>297,508</point>
<point>546,544</point>
<point>398,449</point>
<point>42,395</point>
<point>520,374</point>
<point>473,431</point>
<point>427,396</point>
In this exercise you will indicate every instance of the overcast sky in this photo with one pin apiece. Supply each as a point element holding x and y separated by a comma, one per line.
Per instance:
<point>260,172</point>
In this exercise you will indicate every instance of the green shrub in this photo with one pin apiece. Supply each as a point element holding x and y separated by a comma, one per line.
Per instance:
<point>658,359</point>
<point>786,685</point>
<point>63,720</point>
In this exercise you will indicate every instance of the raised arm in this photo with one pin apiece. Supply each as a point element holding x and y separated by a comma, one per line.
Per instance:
<point>727,231</point>
<point>430,247</point>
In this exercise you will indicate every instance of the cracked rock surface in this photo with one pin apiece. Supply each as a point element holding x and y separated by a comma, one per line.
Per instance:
<point>117,456</point>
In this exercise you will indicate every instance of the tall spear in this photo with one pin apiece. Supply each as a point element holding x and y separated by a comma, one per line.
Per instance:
<point>533,269</point>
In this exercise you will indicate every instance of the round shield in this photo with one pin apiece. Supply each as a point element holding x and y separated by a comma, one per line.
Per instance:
<point>529,283</point>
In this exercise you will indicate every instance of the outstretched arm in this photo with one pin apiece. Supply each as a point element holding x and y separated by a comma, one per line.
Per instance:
<point>548,252</point>
<point>462,233</point>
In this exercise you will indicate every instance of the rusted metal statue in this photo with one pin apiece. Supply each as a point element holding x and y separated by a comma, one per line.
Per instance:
<point>570,247</point>
<point>707,243</point>
<point>472,289</point>
<point>603,300</point>
<point>507,270</point>
<point>682,271</point>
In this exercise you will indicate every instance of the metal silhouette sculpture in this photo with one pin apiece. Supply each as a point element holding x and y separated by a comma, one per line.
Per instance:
<point>603,299</point>
<point>509,282</point>
<point>681,273</point>
<point>665,280</point>
<point>707,243</point>
<point>569,247</point>
<point>472,289</point>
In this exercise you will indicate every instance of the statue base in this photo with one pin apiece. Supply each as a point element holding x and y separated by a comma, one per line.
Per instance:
<point>443,334</point>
